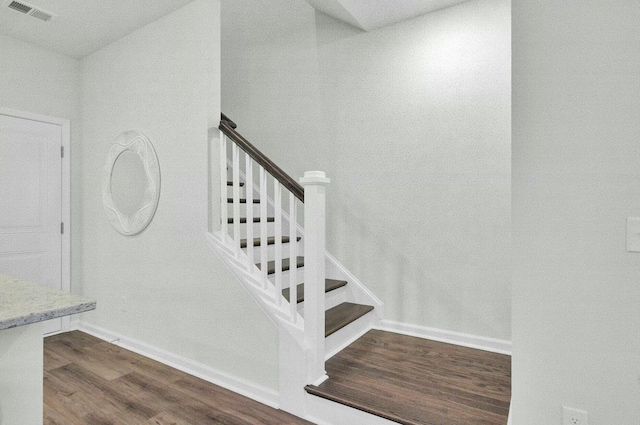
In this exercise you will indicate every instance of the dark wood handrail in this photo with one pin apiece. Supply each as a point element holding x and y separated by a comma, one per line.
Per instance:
<point>223,117</point>
<point>228,128</point>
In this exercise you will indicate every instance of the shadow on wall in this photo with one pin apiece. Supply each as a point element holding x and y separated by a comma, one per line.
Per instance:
<point>431,288</point>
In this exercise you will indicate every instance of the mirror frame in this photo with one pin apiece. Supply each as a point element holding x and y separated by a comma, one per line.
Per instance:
<point>139,144</point>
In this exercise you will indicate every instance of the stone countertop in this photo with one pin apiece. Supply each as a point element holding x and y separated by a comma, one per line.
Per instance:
<point>23,303</point>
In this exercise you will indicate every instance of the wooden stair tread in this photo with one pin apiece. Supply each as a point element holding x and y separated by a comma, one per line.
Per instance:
<point>243,201</point>
<point>255,220</point>
<point>347,399</point>
<point>341,315</point>
<point>271,240</point>
<point>329,285</point>
<point>231,183</point>
<point>271,265</point>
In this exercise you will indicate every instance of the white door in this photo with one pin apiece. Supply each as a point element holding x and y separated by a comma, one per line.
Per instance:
<point>31,202</point>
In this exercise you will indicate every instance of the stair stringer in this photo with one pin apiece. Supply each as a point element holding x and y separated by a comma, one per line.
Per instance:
<point>358,292</point>
<point>250,281</point>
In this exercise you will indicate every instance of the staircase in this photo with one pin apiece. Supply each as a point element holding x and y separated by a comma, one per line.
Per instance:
<point>272,239</point>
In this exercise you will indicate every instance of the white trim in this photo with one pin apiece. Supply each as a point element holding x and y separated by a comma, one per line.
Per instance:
<point>334,269</point>
<point>335,266</point>
<point>66,214</point>
<point>346,336</point>
<point>65,207</point>
<point>241,386</point>
<point>326,412</point>
<point>493,345</point>
<point>509,418</point>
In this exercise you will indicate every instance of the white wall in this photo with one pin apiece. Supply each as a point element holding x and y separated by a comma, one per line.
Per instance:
<point>36,80</point>
<point>165,287</point>
<point>576,177</point>
<point>414,131</point>
<point>270,78</point>
<point>39,81</point>
<point>417,142</point>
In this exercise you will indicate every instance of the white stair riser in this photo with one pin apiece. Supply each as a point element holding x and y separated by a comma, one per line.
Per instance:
<point>286,276</point>
<point>331,299</point>
<point>256,229</point>
<point>255,210</point>
<point>345,336</point>
<point>230,191</point>
<point>271,251</point>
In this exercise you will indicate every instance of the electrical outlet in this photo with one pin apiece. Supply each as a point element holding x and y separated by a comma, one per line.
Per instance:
<point>574,416</point>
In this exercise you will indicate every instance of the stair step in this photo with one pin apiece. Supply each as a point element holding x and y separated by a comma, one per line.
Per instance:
<point>255,220</point>
<point>270,241</point>
<point>341,315</point>
<point>329,285</point>
<point>271,265</point>
<point>231,183</point>
<point>243,201</point>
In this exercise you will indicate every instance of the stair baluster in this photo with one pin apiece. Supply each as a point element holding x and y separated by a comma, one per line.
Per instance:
<point>277,200</point>
<point>236,198</point>
<point>248,193</point>
<point>263,228</point>
<point>224,219</point>
<point>293,253</point>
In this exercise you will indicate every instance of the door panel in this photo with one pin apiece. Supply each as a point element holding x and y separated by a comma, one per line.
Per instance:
<point>31,202</point>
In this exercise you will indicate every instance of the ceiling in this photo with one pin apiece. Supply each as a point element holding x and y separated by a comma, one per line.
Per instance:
<point>82,26</point>
<point>85,26</point>
<point>369,15</point>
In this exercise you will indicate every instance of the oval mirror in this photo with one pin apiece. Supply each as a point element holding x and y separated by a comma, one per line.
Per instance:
<point>132,183</point>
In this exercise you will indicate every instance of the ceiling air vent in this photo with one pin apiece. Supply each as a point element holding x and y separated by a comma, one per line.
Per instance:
<point>30,10</point>
<point>19,7</point>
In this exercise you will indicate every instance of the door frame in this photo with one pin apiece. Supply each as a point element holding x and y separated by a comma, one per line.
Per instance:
<point>65,128</point>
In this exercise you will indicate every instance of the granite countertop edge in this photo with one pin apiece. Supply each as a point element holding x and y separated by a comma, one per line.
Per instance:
<point>42,316</point>
<point>24,303</point>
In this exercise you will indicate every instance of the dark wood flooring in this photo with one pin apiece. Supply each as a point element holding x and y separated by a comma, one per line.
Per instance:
<point>91,382</point>
<point>420,382</point>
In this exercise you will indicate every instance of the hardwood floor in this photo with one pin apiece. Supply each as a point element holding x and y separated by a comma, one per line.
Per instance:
<point>91,382</point>
<point>409,380</point>
<point>419,382</point>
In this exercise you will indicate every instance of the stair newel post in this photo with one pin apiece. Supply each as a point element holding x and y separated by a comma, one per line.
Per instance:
<point>315,183</point>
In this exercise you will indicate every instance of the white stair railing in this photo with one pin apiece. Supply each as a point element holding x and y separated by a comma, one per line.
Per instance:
<point>310,327</point>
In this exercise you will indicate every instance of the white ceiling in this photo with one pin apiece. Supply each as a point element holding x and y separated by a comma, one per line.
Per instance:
<point>83,26</point>
<point>372,14</point>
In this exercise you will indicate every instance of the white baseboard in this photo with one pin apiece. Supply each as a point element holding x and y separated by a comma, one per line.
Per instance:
<point>248,389</point>
<point>466,340</point>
